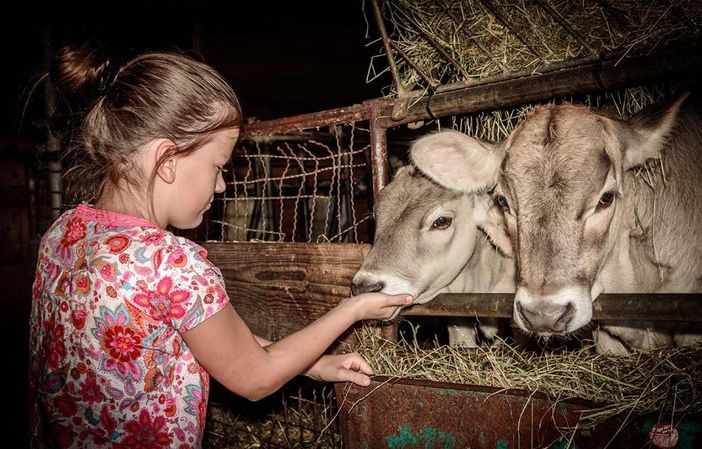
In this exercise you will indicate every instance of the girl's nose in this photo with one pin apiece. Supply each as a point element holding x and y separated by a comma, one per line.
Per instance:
<point>220,185</point>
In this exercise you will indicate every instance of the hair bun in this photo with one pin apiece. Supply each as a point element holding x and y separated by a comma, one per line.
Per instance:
<point>80,74</point>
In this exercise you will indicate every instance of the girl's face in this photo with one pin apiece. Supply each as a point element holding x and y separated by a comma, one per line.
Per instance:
<point>197,177</point>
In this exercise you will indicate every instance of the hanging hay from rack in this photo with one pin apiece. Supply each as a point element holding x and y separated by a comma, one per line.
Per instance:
<point>447,41</point>
<point>497,125</point>
<point>666,380</point>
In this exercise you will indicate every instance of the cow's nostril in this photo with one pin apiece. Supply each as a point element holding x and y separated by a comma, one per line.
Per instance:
<point>561,324</point>
<point>366,286</point>
<point>524,315</point>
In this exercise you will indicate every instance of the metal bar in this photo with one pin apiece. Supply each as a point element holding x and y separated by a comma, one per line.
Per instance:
<point>475,42</point>
<point>379,153</point>
<point>386,44</point>
<point>438,47</point>
<point>607,307</point>
<point>475,95</point>
<point>566,26</point>
<point>355,113</point>
<point>416,68</point>
<point>379,166</point>
<point>608,74</point>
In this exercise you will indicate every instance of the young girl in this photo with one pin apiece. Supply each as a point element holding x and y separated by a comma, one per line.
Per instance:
<point>127,318</point>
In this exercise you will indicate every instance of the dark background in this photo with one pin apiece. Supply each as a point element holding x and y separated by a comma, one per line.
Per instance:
<point>282,58</point>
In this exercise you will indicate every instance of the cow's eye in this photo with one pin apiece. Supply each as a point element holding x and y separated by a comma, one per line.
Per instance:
<point>606,200</point>
<point>442,223</point>
<point>501,201</point>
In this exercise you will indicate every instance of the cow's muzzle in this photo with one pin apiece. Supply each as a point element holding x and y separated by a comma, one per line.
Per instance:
<point>551,319</point>
<point>365,285</point>
<point>552,314</point>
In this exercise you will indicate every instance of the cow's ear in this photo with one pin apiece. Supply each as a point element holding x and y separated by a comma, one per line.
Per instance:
<point>645,134</point>
<point>458,161</point>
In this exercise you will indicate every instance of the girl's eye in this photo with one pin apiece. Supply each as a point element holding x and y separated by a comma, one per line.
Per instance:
<point>501,201</point>
<point>442,223</point>
<point>606,200</point>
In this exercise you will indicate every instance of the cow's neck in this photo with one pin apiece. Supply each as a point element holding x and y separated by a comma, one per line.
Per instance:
<point>655,248</point>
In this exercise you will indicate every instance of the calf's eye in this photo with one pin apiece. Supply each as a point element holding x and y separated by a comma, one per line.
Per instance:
<point>442,223</point>
<point>501,201</point>
<point>606,200</point>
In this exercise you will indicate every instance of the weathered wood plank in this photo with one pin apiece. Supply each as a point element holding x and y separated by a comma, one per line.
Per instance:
<point>278,288</point>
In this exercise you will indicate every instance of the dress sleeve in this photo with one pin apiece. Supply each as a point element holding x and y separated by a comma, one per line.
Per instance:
<point>201,292</point>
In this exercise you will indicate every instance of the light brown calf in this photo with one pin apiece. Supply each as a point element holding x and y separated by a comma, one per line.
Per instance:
<point>428,241</point>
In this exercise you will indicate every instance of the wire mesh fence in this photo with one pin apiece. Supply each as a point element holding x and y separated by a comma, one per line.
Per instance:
<point>311,186</point>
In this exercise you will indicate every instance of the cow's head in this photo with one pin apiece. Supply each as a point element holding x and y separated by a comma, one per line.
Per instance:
<point>425,232</point>
<point>560,185</point>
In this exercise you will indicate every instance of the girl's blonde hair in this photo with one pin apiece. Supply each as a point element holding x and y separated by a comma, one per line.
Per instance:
<point>119,108</point>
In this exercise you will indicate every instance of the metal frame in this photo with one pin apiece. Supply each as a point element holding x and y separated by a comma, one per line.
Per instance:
<point>586,75</point>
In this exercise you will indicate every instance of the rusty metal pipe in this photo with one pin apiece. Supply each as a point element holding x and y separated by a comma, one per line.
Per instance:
<point>607,307</point>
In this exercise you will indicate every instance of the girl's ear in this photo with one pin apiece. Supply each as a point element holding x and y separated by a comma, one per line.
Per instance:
<point>167,169</point>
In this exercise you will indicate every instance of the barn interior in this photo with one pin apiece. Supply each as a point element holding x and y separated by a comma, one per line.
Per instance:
<point>287,59</point>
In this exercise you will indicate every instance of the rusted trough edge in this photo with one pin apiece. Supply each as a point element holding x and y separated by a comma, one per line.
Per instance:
<point>607,307</point>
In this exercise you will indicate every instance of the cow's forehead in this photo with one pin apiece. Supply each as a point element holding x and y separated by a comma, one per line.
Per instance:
<point>557,145</point>
<point>410,194</point>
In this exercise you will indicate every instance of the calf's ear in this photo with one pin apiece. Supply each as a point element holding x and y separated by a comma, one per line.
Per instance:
<point>645,134</point>
<point>458,161</point>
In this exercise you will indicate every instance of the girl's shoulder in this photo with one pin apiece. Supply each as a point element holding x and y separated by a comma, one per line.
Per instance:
<point>164,250</point>
<point>178,246</point>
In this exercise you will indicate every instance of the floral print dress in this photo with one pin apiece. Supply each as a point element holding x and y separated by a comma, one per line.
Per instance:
<point>108,366</point>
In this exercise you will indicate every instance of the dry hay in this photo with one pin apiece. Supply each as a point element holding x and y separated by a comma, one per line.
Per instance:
<point>497,125</point>
<point>497,37</point>
<point>667,381</point>
<point>302,415</point>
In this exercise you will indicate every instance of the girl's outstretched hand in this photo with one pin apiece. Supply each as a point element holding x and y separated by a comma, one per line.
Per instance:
<point>341,368</point>
<point>377,306</point>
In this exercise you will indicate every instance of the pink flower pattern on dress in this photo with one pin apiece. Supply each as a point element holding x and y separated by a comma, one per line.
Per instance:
<point>108,367</point>
<point>162,303</point>
<point>146,432</point>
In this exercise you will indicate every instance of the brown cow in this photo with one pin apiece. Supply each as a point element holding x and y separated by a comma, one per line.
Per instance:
<point>592,204</point>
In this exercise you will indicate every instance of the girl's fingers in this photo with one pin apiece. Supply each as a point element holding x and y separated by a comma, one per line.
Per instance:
<point>359,364</point>
<point>356,377</point>
<point>403,300</point>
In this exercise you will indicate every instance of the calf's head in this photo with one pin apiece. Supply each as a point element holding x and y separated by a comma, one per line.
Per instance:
<point>425,232</point>
<point>559,183</point>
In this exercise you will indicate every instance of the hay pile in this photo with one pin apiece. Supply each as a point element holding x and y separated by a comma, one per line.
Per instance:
<point>460,40</point>
<point>302,415</point>
<point>666,381</point>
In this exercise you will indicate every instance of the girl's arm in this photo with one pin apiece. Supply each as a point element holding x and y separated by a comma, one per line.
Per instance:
<point>347,367</point>
<point>226,348</point>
